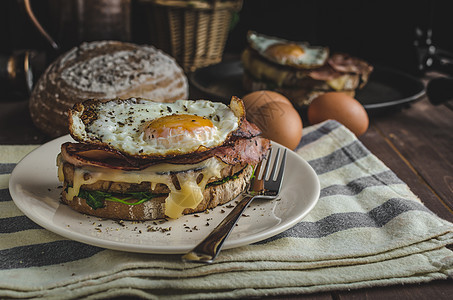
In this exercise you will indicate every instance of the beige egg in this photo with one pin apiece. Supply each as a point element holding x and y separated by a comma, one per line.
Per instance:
<point>340,107</point>
<point>275,116</point>
<point>257,99</point>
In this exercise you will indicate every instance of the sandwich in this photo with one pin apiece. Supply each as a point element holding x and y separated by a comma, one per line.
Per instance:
<point>135,159</point>
<point>298,70</point>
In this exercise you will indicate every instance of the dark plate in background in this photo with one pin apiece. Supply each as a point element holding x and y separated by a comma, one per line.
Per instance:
<point>385,88</point>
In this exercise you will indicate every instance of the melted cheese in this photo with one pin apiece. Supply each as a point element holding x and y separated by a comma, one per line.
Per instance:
<point>60,168</point>
<point>338,83</point>
<point>188,195</point>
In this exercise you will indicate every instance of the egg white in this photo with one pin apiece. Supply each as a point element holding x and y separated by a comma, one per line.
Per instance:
<point>120,125</point>
<point>314,56</point>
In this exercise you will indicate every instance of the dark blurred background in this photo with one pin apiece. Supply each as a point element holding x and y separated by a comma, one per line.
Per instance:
<point>382,32</point>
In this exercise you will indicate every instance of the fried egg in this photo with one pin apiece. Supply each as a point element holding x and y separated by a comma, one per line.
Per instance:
<point>283,52</point>
<point>139,127</point>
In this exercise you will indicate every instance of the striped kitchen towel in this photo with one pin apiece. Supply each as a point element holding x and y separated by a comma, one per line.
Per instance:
<point>367,229</point>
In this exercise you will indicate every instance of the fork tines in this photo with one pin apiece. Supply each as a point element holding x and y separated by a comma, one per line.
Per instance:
<point>274,165</point>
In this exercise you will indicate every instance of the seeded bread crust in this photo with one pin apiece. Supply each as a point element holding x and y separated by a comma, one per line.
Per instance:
<point>153,209</point>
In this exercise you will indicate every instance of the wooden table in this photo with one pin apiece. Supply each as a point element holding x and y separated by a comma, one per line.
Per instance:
<point>416,142</point>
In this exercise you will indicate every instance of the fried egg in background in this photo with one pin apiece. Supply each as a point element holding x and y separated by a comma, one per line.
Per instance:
<point>284,52</point>
<point>139,127</point>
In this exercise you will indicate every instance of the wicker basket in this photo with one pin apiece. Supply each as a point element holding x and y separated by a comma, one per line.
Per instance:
<point>193,32</point>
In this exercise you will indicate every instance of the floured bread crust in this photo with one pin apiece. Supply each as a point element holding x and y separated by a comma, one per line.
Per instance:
<point>103,70</point>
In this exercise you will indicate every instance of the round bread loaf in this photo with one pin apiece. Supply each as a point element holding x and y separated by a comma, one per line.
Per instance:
<point>103,70</point>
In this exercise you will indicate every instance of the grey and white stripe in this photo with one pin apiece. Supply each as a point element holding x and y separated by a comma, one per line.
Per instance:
<point>315,135</point>
<point>15,224</point>
<point>6,168</point>
<point>339,158</point>
<point>356,186</point>
<point>4,195</point>
<point>377,217</point>
<point>45,254</point>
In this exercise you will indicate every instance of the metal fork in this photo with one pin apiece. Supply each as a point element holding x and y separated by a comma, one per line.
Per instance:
<point>265,185</point>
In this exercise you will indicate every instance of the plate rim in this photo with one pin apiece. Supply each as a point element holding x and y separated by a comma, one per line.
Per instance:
<point>140,248</point>
<point>392,103</point>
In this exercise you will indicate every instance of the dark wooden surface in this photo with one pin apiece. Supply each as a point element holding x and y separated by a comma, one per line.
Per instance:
<point>417,144</point>
<point>415,141</point>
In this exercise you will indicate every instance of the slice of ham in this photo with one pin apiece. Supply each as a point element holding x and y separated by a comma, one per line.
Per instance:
<point>246,130</point>
<point>339,64</point>
<point>79,154</point>
<point>250,151</point>
<point>347,64</point>
<point>238,151</point>
<point>324,73</point>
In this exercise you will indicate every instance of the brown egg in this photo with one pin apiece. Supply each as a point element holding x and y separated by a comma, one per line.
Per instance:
<point>257,99</point>
<point>341,107</point>
<point>277,119</point>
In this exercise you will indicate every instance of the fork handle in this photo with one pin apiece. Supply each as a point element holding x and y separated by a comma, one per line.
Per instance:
<point>207,250</point>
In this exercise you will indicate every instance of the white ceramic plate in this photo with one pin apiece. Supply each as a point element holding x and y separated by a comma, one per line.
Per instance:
<point>35,190</point>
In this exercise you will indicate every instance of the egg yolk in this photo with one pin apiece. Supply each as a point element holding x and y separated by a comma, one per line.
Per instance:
<point>171,129</point>
<point>285,50</point>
